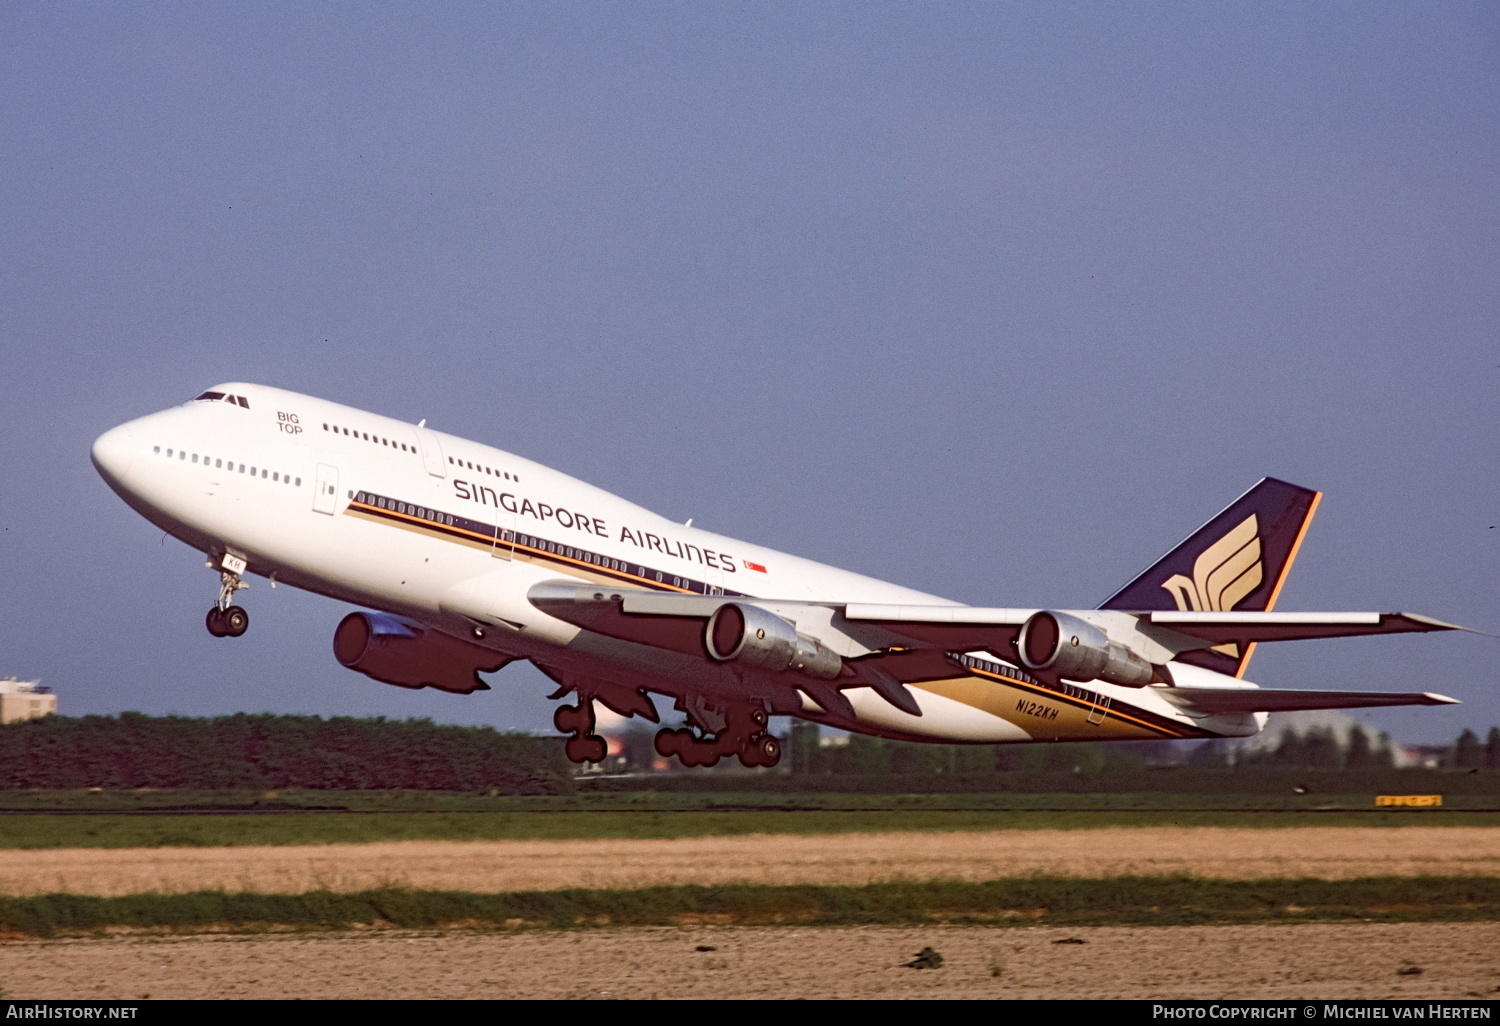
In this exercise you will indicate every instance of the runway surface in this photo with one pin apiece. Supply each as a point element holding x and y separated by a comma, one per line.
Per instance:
<point>1304,962</point>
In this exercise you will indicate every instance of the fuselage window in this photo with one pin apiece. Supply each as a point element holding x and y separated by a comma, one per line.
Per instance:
<point>276,477</point>
<point>218,464</point>
<point>252,471</point>
<point>242,468</point>
<point>658,577</point>
<point>264,473</point>
<point>325,427</point>
<point>195,457</point>
<point>367,438</point>
<point>156,450</point>
<point>346,431</point>
<point>182,454</point>
<point>450,459</point>
<point>298,483</point>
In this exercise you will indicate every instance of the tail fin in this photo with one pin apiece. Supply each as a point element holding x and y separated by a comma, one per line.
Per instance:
<point>1238,560</point>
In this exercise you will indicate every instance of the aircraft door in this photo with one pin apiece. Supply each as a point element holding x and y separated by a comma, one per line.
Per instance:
<point>1100,706</point>
<point>505,534</point>
<point>326,495</point>
<point>713,579</point>
<point>432,451</point>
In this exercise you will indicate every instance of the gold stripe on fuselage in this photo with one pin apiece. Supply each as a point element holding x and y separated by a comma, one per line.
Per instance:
<point>1045,714</point>
<point>486,543</point>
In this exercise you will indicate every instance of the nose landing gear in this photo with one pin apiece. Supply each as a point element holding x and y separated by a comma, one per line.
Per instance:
<point>227,623</point>
<point>225,620</point>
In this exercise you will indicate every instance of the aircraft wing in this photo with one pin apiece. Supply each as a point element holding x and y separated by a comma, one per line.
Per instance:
<point>675,621</point>
<point>1216,701</point>
<point>1219,628</point>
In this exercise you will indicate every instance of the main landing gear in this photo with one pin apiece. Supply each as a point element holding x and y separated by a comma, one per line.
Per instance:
<point>744,734</point>
<point>578,720</point>
<point>225,620</point>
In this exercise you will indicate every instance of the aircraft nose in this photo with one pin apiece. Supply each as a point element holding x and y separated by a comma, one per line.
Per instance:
<point>112,454</point>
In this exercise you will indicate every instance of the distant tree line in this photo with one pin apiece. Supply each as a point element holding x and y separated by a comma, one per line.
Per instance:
<point>271,751</point>
<point>1320,748</point>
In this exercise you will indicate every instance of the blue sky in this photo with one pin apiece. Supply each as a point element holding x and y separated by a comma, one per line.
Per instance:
<point>995,300</point>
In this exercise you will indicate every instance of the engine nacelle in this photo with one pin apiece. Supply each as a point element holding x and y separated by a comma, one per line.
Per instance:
<point>755,636</point>
<point>1076,650</point>
<point>393,651</point>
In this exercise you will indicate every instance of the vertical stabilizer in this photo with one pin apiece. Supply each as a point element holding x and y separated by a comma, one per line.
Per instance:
<point>1238,560</point>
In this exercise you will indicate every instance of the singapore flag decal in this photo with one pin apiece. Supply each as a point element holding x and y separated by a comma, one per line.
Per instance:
<point>753,566</point>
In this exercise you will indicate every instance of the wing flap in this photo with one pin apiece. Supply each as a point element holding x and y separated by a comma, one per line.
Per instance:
<point>1243,628</point>
<point>1218,701</point>
<point>954,628</point>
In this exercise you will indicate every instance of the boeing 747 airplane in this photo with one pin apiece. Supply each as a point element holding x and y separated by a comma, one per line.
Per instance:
<point>465,558</point>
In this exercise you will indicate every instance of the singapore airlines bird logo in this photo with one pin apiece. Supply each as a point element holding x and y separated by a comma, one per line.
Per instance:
<point>1226,572</point>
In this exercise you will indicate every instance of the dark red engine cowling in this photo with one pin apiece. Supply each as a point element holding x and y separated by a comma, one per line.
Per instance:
<point>394,651</point>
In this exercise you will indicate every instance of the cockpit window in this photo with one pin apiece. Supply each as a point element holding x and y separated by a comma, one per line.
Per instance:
<point>222,397</point>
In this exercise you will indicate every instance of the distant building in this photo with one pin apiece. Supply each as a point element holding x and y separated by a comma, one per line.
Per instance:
<point>1424,756</point>
<point>24,700</point>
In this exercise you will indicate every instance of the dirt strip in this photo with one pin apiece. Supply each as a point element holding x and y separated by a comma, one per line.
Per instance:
<point>1303,962</point>
<point>489,866</point>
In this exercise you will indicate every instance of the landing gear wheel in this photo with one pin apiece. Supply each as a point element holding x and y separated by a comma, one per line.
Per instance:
<point>669,742</point>
<point>565,719</point>
<point>236,621</point>
<point>764,750</point>
<point>214,621</point>
<point>589,748</point>
<point>597,748</point>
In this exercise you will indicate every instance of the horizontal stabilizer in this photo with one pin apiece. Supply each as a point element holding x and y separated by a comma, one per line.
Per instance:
<point>1217,701</point>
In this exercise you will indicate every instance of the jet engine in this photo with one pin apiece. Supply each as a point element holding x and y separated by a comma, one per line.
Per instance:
<point>760,638</point>
<point>1073,649</point>
<point>393,651</point>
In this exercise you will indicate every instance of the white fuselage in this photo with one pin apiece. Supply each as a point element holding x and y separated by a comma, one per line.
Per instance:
<point>293,484</point>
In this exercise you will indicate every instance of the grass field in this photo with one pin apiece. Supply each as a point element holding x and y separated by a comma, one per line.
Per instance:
<point>291,801</point>
<point>1124,901</point>
<point>42,819</point>
<point>212,830</point>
